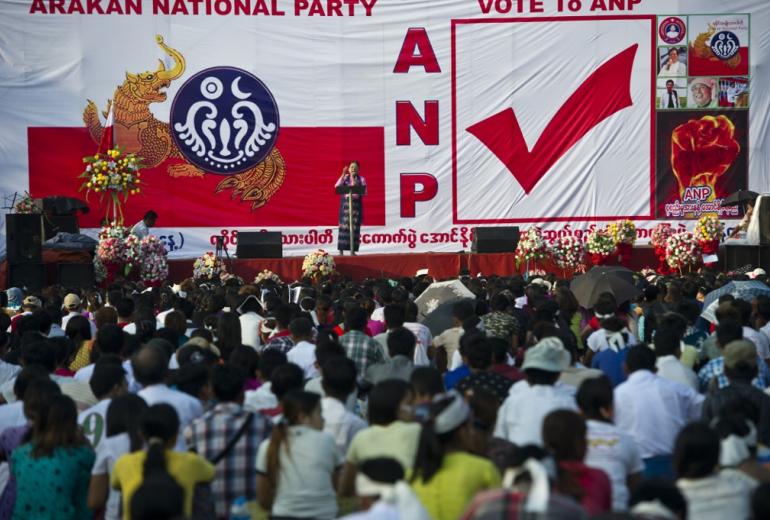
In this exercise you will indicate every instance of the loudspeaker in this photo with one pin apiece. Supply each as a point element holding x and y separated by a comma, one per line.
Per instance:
<point>63,224</point>
<point>259,244</point>
<point>495,239</point>
<point>30,275</point>
<point>764,222</point>
<point>77,276</point>
<point>23,235</point>
<point>738,256</point>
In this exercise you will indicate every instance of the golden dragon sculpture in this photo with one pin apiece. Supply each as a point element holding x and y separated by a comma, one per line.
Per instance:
<point>137,130</point>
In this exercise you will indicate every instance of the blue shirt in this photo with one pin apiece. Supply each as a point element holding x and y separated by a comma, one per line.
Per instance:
<point>611,364</point>
<point>453,377</point>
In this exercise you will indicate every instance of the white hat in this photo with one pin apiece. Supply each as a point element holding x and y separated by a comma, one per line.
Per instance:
<point>757,272</point>
<point>549,354</point>
<point>453,415</point>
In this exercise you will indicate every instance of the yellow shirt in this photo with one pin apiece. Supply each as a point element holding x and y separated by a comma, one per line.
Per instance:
<point>188,469</point>
<point>452,488</point>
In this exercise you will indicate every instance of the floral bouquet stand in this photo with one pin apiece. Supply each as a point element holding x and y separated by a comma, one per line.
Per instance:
<point>114,175</point>
<point>600,246</point>
<point>318,265</point>
<point>623,233</point>
<point>682,251</point>
<point>708,234</point>
<point>531,248</point>
<point>568,253</point>
<point>660,234</point>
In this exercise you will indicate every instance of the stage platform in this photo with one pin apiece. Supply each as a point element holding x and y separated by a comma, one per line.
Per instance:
<point>440,265</point>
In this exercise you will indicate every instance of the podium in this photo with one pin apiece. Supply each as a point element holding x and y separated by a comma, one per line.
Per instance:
<point>356,189</point>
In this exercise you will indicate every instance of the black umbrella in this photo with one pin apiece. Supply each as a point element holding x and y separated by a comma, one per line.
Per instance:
<point>587,287</point>
<point>616,270</point>
<point>740,197</point>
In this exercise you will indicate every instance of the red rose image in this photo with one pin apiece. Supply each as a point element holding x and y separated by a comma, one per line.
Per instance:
<point>702,150</point>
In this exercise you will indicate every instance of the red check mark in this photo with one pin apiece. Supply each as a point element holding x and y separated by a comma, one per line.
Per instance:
<point>606,91</point>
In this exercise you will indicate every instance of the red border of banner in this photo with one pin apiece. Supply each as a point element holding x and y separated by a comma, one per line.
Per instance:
<point>653,32</point>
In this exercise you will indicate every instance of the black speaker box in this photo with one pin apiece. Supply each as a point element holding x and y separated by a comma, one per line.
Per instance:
<point>61,224</point>
<point>30,275</point>
<point>23,235</point>
<point>77,276</point>
<point>739,256</point>
<point>764,222</point>
<point>259,244</point>
<point>503,239</point>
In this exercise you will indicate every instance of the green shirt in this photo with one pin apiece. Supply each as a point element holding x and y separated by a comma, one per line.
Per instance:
<point>461,477</point>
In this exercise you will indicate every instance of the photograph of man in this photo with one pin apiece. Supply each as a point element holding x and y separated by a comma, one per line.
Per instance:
<point>670,62</point>
<point>702,93</point>
<point>669,93</point>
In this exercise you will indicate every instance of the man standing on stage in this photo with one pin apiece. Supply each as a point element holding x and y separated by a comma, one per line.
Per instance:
<point>142,228</point>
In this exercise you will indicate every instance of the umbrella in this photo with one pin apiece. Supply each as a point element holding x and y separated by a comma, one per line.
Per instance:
<point>742,290</point>
<point>587,287</point>
<point>435,304</point>
<point>739,197</point>
<point>615,270</point>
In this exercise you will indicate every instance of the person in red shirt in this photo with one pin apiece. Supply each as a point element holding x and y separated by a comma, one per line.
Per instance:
<point>564,435</point>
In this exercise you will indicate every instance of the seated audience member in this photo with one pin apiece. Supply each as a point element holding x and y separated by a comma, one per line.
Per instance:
<point>479,356</point>
<point>449,340</point>
<point>658,498</point>
<point>338,382</point>
<point>297,466</point>
<point>160,429</point>
<point>122,435</point>
<point>107,382</point>
<point>710,493</point>
<point>383,493</point>
<point>211,433</point>
<point>609,448</point>
<point>52,470</point>
<point>613,348</point>
<point>740,368</point>
<point>520,418</point>
<point>302,353</point>
<point>401,343</point>
<point>446,476</point>
<point>653,410</point>
<point>150,366</point>
<point>263,398</point>
<point>668,366</point>
<point>388,434</point>
<point>739,447</point>
<point>564,435</point>
<point>713,373</point>
<point>363,350</point>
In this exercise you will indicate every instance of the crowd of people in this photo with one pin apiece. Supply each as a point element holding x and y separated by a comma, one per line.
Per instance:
<point>202,401</point>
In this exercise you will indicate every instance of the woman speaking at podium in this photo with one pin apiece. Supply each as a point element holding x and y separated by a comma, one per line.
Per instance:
<point>351,208</point>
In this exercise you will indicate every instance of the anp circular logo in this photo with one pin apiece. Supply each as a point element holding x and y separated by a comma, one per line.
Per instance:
<point>224,120</point>
<point>672,30</point>
<point>725,45</point>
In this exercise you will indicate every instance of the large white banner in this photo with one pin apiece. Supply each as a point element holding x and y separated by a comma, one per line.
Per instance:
<point>564,114</point>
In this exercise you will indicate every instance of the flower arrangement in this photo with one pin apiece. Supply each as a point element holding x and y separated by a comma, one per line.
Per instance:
<point>208,267</point>
<point>708,233</point>
<point>317,264</point>
<point>568,252</point>
<point>117,252</point>
<point>154,260</point>
<point>658,238</point>
<point>267,276</point>
<point>131,253</point>
<point>114,174</point>
<point>660,234</point>
<point>26,205</point>
<point>532,246</point>
<point>600,245</point>
<point>622,232</point>
<point>682,250</point>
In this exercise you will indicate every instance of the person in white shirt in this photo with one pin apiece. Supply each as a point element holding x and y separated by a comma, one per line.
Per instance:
<point>108,381</point>
<point>609,449</point>
<point>653,410</point>
<point>672,66</point>
<point>667,350</point>
<point>150,366</point>
<point>302,353</point>
<point>520,418</point>
<point>420,331</point>
<point>263,397</point>
<point>394,319</point>
<point>327,349</point>
<point>12,414</point>
<point>711,494</point>
<point>250,320</point>
<point>142,228</point>
<point>339,381</point>
<point>121,436</point>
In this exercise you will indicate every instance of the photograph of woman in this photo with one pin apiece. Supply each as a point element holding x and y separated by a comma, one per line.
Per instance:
<point>351,210</point>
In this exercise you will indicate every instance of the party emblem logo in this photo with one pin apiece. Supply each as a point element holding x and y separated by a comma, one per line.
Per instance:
<point>224,120</point>
<point>672,30</point>
<point>725,45</point>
